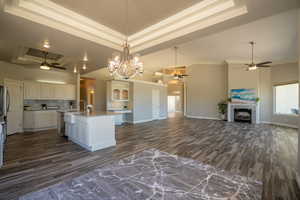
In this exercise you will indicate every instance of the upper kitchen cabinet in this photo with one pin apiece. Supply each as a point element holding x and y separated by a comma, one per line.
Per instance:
<point>47,91</point>
<point>34,90</point>
<point>66,92</point>
<point>70,92</point>
<point>118,90</point>
<point>31,90</point>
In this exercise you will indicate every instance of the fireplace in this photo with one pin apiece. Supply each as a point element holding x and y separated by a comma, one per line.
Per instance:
<point>243,115</point>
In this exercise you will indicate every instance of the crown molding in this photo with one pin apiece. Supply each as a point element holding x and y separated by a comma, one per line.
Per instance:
<point>181,31</point>
<point>52,15</point>
<point>202,15</point>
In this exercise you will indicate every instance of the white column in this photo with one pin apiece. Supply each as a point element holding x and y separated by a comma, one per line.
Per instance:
<point>78,90</point>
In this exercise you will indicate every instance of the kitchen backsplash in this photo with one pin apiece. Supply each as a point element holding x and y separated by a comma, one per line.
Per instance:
<point>37,104</point>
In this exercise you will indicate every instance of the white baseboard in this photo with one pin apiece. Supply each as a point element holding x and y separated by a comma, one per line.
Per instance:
<point>202,117</point>
<point>280,124</point>
<point>38,129</point>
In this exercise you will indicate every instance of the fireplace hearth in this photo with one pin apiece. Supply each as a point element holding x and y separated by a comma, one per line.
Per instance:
<point>243,115</point>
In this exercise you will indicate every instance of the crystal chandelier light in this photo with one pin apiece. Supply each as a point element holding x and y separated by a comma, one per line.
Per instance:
<point>124,65</point>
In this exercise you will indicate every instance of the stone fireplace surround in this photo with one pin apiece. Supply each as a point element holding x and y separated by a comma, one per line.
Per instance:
<point>253,107</point>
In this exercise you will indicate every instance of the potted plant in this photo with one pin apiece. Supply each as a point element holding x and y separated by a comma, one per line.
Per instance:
<point>222,108</point>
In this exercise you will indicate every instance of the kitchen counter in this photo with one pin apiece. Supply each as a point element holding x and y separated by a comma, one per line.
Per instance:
<point>121,111</point>
<point>67,110</point>
<point>95,114</point>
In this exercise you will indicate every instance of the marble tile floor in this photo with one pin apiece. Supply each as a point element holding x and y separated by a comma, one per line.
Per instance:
<point>156,175</point>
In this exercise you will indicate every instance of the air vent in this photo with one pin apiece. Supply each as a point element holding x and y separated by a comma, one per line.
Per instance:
<point>40,54</point>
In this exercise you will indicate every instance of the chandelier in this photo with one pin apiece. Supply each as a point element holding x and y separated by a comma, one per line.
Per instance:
<point>124,65</point>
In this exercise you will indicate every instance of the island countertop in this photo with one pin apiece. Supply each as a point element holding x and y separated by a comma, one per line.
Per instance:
<point>95,114</point>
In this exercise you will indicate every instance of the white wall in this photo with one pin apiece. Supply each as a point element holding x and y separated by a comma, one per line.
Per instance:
<point>206,87</point>
<point>17,72</point>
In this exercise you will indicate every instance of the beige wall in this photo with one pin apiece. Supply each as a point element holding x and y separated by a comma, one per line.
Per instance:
<point>238,77</point>
<point>142,101</point>
<point>17,72</point>
<point>278,74</point>
<point>206,87</point>
<point>299,89</point>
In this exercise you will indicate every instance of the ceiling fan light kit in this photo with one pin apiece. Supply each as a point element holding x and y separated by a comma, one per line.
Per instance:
<point>252,66</point>
<point>44,66</point>
<point>47,66</point>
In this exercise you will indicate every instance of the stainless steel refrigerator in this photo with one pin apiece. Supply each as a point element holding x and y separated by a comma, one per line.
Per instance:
<point>4,108</point>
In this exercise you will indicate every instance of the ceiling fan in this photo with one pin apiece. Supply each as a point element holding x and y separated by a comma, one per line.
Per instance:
<point>47,66</point>
<point>253,66</point>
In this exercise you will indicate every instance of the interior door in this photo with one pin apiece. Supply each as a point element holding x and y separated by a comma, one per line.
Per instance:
<point>15,111</point>
<point>155,104</point>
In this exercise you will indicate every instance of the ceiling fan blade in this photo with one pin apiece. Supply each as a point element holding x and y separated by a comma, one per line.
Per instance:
<point>264,63</point>
<point>58,67</point>
<point>264,66</point>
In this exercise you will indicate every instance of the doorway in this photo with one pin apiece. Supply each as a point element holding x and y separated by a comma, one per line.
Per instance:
<point>87,92</point>
<point>15,111</point>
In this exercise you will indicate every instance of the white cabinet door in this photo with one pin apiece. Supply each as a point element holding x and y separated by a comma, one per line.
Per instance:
<point>29,119</point>
<point>31,90</point>
<point>60,92</point>
<point>70,92</point>
<point>47,91</point>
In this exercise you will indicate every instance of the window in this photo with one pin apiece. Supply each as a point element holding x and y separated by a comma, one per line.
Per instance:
<point>287,99</point>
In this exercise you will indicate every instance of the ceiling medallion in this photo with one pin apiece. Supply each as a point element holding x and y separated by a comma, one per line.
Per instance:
<point>124,65</point>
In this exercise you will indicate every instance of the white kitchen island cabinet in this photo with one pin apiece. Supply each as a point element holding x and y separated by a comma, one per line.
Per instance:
<point>93,131</point>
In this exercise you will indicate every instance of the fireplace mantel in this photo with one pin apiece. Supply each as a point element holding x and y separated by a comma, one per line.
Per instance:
<point>253,107</point>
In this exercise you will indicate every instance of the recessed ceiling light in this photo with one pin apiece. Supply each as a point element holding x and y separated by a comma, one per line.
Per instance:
<point>46,44</point>
<point>84,66</point>
<point>85,58</point>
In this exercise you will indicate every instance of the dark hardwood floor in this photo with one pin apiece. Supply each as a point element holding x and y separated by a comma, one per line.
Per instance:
<point>264,152</point>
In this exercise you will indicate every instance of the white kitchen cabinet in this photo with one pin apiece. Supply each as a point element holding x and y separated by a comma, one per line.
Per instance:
<point>118,90</point>
<point>35,90</point>
<point>31,90</point>
<point>40,120</point>
<point>59,92</point>
<point>70,92</point>
<point>47,91</point>
<point>93,132</point>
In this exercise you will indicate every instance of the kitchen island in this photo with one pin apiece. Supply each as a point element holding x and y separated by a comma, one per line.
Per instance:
<point>93,131</point>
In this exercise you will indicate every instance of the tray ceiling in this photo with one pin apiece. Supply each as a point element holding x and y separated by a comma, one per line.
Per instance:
<point>142,13</point>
